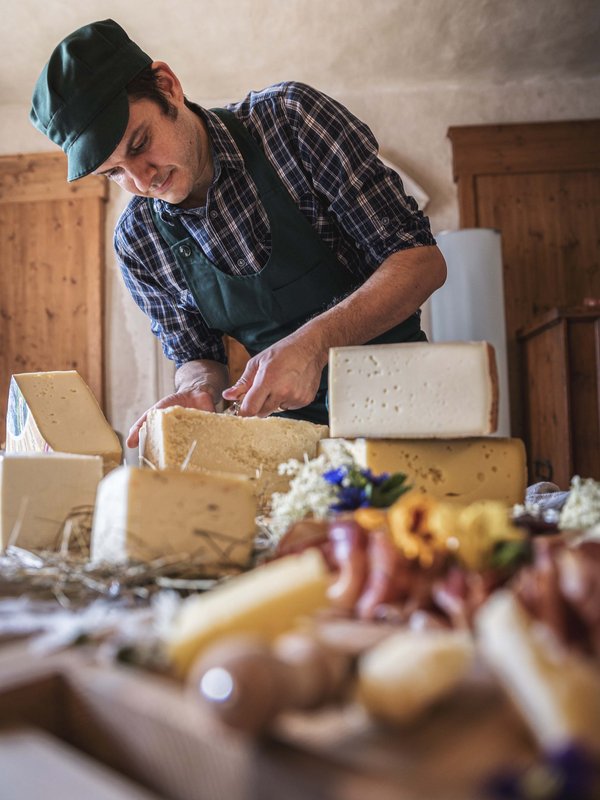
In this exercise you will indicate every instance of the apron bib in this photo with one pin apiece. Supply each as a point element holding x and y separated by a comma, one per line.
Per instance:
<point>301,278</point>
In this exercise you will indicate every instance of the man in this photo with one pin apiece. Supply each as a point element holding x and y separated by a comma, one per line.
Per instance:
<point>272,220</point>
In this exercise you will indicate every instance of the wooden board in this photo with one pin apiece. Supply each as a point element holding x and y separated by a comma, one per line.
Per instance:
<point>154,733</point>
<point>51,271</point>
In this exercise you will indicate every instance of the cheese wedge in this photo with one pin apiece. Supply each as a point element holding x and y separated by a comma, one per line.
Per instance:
<point>40,492</point>
<point>144,514</point>
<point>408,671</point>
<point>556,690</point>
<point>417,390</point>
<point>56,411</point>
<point>243,445</point>
<point>452,470</point>
<point>266,601</point>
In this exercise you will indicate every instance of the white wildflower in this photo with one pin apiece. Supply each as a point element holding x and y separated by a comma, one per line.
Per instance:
<point>582,509</point>
<point>309,493</point>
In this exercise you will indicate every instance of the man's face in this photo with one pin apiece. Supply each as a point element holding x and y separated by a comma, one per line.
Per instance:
<point>166,157</point>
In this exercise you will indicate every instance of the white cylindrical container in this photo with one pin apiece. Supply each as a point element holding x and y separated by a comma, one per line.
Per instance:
<point>470,305</point>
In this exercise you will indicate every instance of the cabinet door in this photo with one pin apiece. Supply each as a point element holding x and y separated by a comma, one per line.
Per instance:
<point>539,185</point>
<point>51,271</point>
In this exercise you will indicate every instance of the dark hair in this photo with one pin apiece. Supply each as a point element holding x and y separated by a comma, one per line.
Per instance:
<point>146,85</point>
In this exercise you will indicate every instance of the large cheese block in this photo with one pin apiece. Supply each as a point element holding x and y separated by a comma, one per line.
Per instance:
<point>413,391</point>
<point>452,470</point>
<point>250,446</point>
<point>556,689</point>
<point>56,411</point>
<point>41,492</point>
<point>266,602</point>
<point>144,514</point>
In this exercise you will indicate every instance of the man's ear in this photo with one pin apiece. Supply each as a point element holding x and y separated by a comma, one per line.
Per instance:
<point>168,82</point>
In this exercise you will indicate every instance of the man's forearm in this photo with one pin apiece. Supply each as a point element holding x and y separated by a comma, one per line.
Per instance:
<point>212,376</point>
<point>393,292</point>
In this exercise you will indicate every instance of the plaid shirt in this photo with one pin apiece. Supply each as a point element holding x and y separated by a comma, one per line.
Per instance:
<point>327,160</point>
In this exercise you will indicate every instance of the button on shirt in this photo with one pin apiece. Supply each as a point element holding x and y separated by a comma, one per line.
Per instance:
<point>327,160</point>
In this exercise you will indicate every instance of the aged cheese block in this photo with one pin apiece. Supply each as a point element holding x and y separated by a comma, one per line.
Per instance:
<point>452,470</point>
<point>265,601</point>
<point>143,514</point>
<point>56,411</point>
<point>410,670</point>
<point>392,391</point>
<point>245,445</point>
<point>556,690</point>
<point>40,492</point>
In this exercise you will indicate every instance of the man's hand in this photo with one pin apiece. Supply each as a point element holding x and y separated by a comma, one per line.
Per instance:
<point>282,377</point>
<point>198,384</point>
<point>190,398</point>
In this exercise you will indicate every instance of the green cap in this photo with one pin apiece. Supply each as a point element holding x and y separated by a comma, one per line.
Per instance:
<point>80,101</point>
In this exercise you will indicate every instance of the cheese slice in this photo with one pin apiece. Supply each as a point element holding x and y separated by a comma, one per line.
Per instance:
<point>266,601</point>
<point>41,492</point>
<point>452,470</point>
<point>244,445</point>
<point>409,671</point>
<point>143,514</point>
<point>556,689</point>
<point>56,411</point>
<point>414,390</point>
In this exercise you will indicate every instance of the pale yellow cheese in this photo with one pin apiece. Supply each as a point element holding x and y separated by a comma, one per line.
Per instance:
<point>57,411</point>
<point>410,670</point>
<point>144,514</point>
<point>453,470</point>
<point>413,390</point>
<point>556,689</point>
<point>244,445</point>
<point>41,492</point>
<point>266,601</point>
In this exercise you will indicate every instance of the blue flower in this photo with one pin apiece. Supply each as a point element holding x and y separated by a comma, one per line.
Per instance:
<point>336,476</point>
<point>349,498</point>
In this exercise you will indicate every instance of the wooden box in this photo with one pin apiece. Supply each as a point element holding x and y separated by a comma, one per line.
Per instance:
<point>561,368</point>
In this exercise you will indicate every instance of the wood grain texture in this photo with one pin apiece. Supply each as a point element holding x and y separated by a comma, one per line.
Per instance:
<point>539,185</point>
<point>51,274</point>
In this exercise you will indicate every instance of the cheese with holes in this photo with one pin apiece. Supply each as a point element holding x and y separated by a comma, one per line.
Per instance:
<point>144,514</point>
<point>266,601</point>
<point>452,470</point>
<point>41,493</point>
<point>245,445</point>
<point>413,390</point>
<point>555,688</point>
<point>57,412</point>
<point>410,670</point>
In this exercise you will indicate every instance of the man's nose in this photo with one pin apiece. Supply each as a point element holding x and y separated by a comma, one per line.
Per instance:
<point>142,174</point>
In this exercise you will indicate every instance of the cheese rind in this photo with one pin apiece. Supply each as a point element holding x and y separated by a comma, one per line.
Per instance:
<point>57,412</point>
<point>452,470</point>
<point>242,445</point>
<point>265,601</point>
<point>144,514</point>
<point>413,390</point>
<point>38,494</point>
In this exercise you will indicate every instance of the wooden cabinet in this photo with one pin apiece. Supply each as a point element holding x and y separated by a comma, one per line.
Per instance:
<point>51,271</point>
<point>539,185</point>
<point>561,378</point>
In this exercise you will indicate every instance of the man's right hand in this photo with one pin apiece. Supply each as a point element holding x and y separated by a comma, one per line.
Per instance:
<point>188,398</point>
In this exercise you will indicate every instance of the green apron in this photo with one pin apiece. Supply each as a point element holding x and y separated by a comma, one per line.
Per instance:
<point>301,278</point>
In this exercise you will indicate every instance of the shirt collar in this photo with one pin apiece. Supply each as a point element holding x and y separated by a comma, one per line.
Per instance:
<point>225,152</point>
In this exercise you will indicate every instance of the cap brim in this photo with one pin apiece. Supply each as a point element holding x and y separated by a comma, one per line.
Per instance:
<point>100,139</point>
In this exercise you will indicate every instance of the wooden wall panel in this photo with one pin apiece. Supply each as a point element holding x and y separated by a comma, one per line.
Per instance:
<point>51,271</point>
<point>539,185</point>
